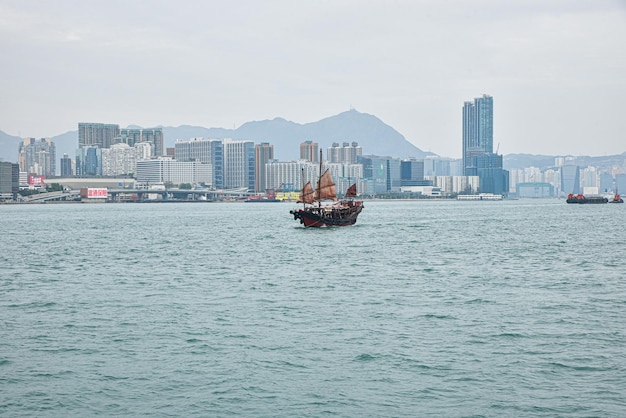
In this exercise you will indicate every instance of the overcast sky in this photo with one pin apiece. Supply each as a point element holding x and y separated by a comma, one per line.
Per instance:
<point>556,69</point>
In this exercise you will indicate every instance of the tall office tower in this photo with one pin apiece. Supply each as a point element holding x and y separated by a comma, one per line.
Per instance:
<point>263,153</point>
<point>38,156</point>
<point>238,164</point>
<point>100,135</point>
<point>477,129</point>
<point>478,156</point>
<point>9,179</point>
<point>346,154</point>
<point>412,173</point>
<point>66,166</point>
<point>310,151</point>
<point>206,151</point>
<point>570,179</point>
<point>89,161</point>
<point>132,136</point>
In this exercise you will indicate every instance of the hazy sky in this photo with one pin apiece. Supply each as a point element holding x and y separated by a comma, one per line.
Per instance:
<point>556,69</point>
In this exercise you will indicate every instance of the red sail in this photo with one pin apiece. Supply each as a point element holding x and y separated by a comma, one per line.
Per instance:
<point>351,192</point>
<point>307,194</point>
<point>326,188</point>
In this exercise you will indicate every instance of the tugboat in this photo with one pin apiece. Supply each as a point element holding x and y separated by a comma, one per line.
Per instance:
<point>617,198</point>
<point>580,198</point>
<point>339,213</point>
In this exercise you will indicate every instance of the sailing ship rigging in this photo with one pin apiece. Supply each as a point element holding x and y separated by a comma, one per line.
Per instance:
<point>314,213</point>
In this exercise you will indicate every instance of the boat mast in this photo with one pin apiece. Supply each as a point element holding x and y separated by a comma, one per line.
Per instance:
<point>303,184</point>
<point>319,183</point>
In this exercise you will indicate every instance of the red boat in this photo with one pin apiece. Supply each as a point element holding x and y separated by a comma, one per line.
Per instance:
<point>579,198</point>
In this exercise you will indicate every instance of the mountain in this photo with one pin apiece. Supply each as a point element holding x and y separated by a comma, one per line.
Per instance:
<point>374,136</point>
<point>9,147</point>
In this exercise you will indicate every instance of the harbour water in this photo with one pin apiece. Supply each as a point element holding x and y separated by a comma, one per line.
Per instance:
<point>511,308</point>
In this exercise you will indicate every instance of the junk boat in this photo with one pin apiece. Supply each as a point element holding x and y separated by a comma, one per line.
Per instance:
<point>315,214</point>
<point>579,198</point>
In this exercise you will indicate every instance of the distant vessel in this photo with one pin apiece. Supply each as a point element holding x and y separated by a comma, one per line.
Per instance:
<point>481,196</point>
<point>314,214</point>
<point>580,198</point>
<point>268,197</point>
<point>617,198</point>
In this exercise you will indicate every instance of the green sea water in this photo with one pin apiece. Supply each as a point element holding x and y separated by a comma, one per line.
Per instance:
<point>423,308</point>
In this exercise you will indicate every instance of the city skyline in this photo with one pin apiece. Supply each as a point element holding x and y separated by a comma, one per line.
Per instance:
<point>410,63</point>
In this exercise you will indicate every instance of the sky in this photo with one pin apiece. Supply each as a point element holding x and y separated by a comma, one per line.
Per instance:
<point>556,68</point>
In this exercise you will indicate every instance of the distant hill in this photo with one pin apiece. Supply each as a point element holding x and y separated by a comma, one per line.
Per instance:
<point>373,135</point>
<point>520,161</point>
<point>9,147</point>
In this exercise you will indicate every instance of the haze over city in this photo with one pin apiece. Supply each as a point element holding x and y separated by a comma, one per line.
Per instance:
<point>555,68</point>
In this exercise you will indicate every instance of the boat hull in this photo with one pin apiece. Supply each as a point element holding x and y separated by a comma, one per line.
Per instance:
<point>316,217</point>
<point>588,200</point>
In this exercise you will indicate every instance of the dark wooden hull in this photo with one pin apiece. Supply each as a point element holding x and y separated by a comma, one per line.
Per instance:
<point>591,200</point>
<point>341,215</point>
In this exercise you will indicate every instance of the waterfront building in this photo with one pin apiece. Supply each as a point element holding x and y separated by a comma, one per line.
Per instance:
<point>478,156</point>
<point>117,160</point>
<point>412,173</point>
<point>166,170</point>
<point>570,179</point>
<point>9,179</point>
<point>291,175</point>
<point>89,161</point>
<point>344,175</point>
<point>66,166</point>
<point>99,135</point>
<point>534,190</point>
<point>377,170</point>
<point>309,151</point>
<point>38,156</point>
<point>437,166</point>
<point>345,154</point>
<point>553,177</point>
<point>455,184</point>
<point>238,164</point>
<point>477,128</point>
<point>210,151</point>
<point>263,153</point>
<point>121,159</point>
<point>589,180</point>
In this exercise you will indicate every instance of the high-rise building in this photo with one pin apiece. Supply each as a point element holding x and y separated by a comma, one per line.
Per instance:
<point>412,173</point>
<point>89,161</point>
<point>309,151</point>
<point>100,135</point>
<point>132,136</point>
<point>263,153</point>
<point>167,170</point>
<point>66,166</point>
<point>209,151</point>
<point>570,179</point>
<point>478,156</point>
<point>38,156</point>
<point>9,179</point>
<point>345,154</point>
<point>238,164</point>
<point>477,129</point>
